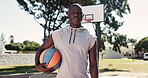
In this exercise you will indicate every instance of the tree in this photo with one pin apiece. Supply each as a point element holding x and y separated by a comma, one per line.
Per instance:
<point>142,45</point>
<point>26,42</point>
<point>2,38</point>
<point>14,46</point>
<point>119,40</point>
<point>30,45</point>
<point>133,41</point>
<point>53,15</point>
<point>113,10</point>
<point>50,14</point>
<point>11,39</point>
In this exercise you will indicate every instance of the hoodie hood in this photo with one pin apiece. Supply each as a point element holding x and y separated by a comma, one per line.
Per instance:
<point>73,32</point>
<point>77,29</point>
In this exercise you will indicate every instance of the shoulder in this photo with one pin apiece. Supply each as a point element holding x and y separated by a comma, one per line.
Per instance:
<point>89,34</point>
<point>59,30</point>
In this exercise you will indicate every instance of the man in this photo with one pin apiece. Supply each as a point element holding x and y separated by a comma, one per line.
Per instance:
<point>75,44</point>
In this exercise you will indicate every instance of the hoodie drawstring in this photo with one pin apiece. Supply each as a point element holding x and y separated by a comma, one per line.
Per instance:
<point>71,36</point>
<point>74,36</point>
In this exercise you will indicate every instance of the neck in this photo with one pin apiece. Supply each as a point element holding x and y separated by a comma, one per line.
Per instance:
<point>75,26</point>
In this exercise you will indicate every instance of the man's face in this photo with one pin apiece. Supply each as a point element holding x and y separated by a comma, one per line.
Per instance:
<point>75,15</point>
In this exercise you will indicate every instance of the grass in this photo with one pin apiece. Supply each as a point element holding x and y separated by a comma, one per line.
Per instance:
<point>105,65</point>
<point>123,65</point>
<point>11,70</point>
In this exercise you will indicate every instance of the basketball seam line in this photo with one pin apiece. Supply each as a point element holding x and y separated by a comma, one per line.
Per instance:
<point>51,57</point>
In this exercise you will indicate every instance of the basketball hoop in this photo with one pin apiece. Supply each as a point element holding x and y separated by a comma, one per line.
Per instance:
<point>87,19</point>
<point>93,13</point>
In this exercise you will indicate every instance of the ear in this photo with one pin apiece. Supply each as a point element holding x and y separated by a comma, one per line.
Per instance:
<point>68,14</point>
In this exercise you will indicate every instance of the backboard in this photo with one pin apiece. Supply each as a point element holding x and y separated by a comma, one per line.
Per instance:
<point>95,13</point>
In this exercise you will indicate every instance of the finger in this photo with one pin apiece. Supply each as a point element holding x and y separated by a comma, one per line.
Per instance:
<point>45,70</point>
<point>42,64</point>
<point>48,71</point>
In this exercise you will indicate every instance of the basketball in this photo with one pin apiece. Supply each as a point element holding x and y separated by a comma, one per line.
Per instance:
<point>52,58</point>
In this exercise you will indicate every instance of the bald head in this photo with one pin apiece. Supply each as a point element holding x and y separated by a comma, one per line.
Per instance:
<point>75,15</point>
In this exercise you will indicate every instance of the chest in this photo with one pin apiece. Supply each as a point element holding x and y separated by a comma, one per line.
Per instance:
<point>77,39</point>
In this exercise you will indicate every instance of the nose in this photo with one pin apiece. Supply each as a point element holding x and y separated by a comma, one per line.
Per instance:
<point>76,14</point>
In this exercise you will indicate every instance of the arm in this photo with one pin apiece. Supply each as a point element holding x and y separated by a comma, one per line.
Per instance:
<point>47,44</point>
<point>93,62</point>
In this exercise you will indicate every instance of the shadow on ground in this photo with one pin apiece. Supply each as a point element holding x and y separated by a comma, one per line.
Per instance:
<point>18,76</point>
<point>17,69</point>
<point>44,75</point>
<point>112,70</point>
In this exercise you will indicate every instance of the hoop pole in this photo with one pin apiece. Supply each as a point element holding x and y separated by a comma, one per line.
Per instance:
<point>98,34</point>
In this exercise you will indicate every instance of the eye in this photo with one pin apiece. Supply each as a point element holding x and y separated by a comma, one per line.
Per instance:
<point>72,12</point>
<point>76,12</point>
<point>79,12</point>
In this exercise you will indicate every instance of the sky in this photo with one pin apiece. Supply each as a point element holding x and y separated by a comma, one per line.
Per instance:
<point>136,23</point>
<point>16,22</point>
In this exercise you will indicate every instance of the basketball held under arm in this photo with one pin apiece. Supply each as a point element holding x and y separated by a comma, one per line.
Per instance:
<point>47,44</point>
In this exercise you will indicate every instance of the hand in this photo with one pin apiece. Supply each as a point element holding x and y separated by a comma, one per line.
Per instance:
<point>41,68</point>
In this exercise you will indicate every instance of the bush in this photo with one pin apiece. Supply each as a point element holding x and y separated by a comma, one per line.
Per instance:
<point>25,46</point>
<point>142,45</point>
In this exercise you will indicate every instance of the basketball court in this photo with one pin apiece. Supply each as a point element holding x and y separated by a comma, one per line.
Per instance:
<point>53,75</point>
